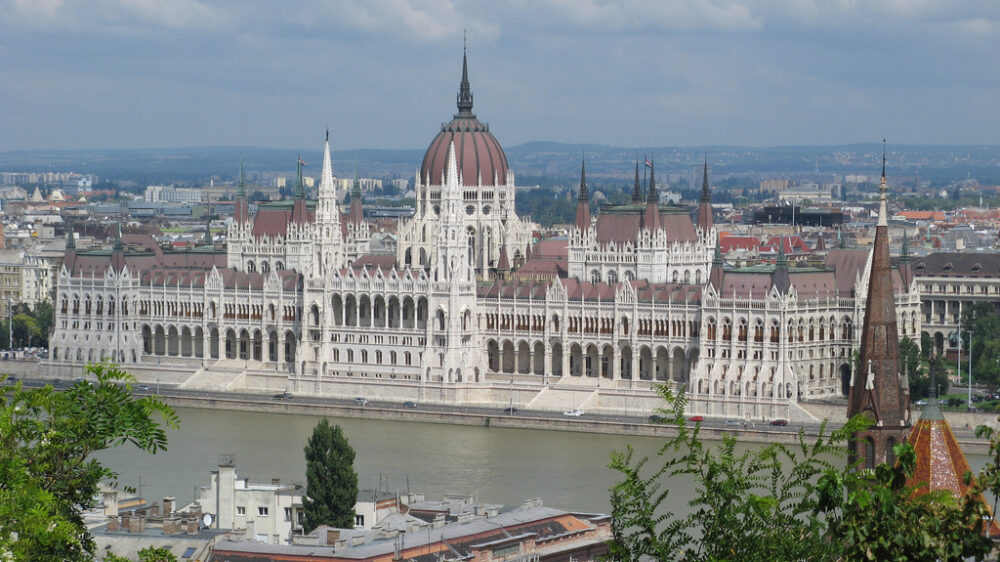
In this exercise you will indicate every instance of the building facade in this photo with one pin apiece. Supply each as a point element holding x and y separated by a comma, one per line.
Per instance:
<point>297,300</point>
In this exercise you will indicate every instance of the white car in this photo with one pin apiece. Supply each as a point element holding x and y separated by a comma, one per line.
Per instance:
<point>921,402</point>
<point>575,412</point>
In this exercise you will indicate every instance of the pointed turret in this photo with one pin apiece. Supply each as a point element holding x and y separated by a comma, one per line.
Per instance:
<point>705,205</point>
<point>118,251</point>
<point>651,216</point>
<point>781,279</point>
<point>464,89</point>
<point>70,258</point>
<point>637,188</point>
<point>299,212</point>
<point>242,212</point>
<point>583,200</point>
<point>207,239</point>
<point>718,268</point>
<point>503,264</point>
<point>879,390</point>
<point>905,271</point>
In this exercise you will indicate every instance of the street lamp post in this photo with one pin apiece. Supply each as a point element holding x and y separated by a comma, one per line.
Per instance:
<point>970,370</point>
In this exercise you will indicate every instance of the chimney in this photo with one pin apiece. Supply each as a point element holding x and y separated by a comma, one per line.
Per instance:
<point>113,524</point>
<point>126,522</point>
<point>111,503</point>
<point>168,505</point>
<point>138,524</point>
<point>196,511</point>
<point>438,521</point>
<point>193,526</point>
<point>171,525</point>
<point>154,509</point>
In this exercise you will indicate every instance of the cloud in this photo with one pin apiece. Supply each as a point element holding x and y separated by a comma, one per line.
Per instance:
<point>80,15</point>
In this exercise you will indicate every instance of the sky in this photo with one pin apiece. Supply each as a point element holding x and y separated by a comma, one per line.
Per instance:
<point>95,74</point>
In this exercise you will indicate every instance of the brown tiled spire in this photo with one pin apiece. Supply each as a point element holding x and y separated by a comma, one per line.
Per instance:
<point>705,205</point>
<point>356,214</point>
<point>651,217</point>
<point>583,200</point>
<point>878,389</point>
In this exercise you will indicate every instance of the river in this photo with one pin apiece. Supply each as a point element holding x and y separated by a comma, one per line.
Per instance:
<point>496,465</point>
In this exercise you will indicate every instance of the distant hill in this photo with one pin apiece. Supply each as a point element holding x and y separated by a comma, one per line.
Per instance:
<point>535,159</point>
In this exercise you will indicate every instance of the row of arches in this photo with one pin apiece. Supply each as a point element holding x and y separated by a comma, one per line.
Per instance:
<point>378,312</point>
<point>800,331</point>
<point>653,363</point>
<point>232,343</point>
<point>92,305</point>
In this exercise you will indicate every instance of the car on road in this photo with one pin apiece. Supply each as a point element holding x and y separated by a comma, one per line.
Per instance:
<point>409,404</point>
<point>657,419</point>
<point>697,418</point>
<point>57,382</point>
<point>510,410</point>
<point>921,402</point>
<point>142,387</point>
<point>780,422</point>
<point>361,401</point>
<point>283,396</point>
<point>11,379</point>
<point>732,422</point>
<point>575,412</point>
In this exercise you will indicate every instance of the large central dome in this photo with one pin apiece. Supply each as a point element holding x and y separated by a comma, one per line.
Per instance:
<point>479,154</point>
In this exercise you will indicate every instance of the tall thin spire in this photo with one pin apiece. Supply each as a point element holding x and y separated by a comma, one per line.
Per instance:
<point>118,237</point>
<point>300,189</point>
<point>651,217</point>
<point>464,89</point>
<point>652,196</point>
<point>705,219</point>
<point>242,192</point>
<point>583,200</point>
<point>883,209</point>
<point>637,189</point>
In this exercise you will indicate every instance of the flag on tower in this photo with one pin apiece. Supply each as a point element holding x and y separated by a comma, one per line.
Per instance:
<point>649,164</point>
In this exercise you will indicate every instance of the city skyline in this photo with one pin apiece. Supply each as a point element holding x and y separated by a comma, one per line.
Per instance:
<point>633,73</point>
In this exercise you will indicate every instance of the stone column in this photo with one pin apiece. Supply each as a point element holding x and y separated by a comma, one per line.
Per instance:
<point>616,361</point>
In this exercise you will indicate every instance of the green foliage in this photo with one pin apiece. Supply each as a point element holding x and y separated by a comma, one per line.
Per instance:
<point>984,320</point>
<point>926,345</point>
<point>47,475</point>
<point>31,326</point>
<point>874,515</point>
<point>331,483</point>
<point>545,207</point>
<point>148,554</point>
<point>911,363</point>
<point>779,502</point>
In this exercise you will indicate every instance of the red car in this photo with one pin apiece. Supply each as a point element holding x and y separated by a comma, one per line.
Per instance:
<point>696,418</point>
<point>779,422</point>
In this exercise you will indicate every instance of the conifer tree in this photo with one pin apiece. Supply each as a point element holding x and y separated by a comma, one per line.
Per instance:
<point>331,483</point>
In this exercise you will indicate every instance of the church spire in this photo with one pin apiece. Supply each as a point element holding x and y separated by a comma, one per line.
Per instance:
<point>242,192</point>
<point>879,390</point>
<point>242,212</point>
<point>637,189</point>
<point>583,200</point>
<point>464,89</point>
<point>883,207</point>
<point>651,217</point>
<point>705,205</point>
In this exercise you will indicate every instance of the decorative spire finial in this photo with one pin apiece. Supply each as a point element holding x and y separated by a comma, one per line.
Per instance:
<point>356,188</point>
<point>464,89</point>
<point>300,190</point>
<point>883,213</point>
<point>637,189</point>
<point>584,194</point>
<point>706,195</point>
<point>242,191</point>
<point>652,197</point>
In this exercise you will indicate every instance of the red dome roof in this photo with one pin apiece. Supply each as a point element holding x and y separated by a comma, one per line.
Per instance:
<point>478,152</point>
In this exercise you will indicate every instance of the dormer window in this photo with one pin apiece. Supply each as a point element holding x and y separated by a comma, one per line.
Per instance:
<point>977,267</point>
<point>946,268</point>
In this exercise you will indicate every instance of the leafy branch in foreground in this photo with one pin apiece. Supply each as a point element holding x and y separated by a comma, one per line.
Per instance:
<point>782,502</point>
<point>47,475</point>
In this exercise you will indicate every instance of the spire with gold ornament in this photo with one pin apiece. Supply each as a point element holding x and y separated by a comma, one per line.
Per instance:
<point>879,389</point>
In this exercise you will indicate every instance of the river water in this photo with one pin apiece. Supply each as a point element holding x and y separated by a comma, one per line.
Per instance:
<point>496,465</point>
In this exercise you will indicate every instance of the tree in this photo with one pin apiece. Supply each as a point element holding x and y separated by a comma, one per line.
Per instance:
<point>148,554</point>
<point>331,483</point>
<point>778,502</point>
<point>984,321</point>
<point>47,475</point>
<point>909,355</point>
<point>926,345</point>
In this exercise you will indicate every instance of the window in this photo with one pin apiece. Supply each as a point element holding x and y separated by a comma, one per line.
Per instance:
<point>241,510</point>
<point>288,514</point>
<point>262,511</point>
<point>359,520</point>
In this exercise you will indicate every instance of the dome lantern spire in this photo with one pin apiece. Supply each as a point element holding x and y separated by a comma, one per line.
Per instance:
<point>464,89</point>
